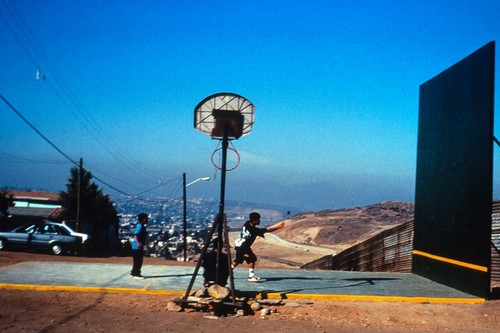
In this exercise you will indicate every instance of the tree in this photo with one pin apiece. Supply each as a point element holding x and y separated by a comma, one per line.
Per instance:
<point>6,201</point>
<point>84,202</point>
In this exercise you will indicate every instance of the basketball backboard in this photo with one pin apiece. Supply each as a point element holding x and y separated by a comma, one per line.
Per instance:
<point>224,114</point>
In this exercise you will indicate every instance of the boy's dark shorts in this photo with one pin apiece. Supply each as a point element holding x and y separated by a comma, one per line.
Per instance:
<point>245,255</point>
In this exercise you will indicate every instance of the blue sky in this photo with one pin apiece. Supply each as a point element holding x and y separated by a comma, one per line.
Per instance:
<point>335,86</point>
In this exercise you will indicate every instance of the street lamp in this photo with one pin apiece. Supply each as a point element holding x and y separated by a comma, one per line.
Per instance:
<point>184,207</point>
<point>197,180</point>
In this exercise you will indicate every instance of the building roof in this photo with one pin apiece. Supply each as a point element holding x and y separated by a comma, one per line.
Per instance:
<point>34,195</point>
<point>52,213</point>
<point>36,204</point>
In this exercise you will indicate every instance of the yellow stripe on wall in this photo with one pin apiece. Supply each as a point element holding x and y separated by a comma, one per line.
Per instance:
<point>451,261</point>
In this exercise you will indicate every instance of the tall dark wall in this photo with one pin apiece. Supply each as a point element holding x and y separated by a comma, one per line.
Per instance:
<point>454,175</point>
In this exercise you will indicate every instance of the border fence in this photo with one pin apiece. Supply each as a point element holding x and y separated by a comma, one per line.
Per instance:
<point>495,244</point>
<point>388,251</point>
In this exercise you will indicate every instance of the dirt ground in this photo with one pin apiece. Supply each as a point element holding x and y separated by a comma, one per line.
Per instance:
<point>37,311</point>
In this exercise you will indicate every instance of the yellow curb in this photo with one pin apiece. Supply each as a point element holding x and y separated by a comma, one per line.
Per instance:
<point>368,298</point>
<point>89,289</point>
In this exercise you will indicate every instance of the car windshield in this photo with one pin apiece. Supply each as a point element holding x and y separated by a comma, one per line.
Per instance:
<point>29,228</point>
<point>49,229</point>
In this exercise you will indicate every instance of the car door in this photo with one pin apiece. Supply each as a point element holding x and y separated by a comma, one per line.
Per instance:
<point>21,237</point>
<point>48,234</point>
<point>41,237</point>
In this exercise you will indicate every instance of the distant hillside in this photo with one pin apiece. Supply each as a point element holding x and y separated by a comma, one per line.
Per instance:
<point>237,212</point>
<point>340,229</point>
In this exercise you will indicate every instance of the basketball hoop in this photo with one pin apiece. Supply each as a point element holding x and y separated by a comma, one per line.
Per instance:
<point>227,169</point>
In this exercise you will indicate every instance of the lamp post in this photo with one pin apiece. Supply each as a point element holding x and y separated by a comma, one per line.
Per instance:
<point>184,210</point>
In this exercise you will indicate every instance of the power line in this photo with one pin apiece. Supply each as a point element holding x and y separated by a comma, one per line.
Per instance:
<point>160,185</point>
<point>37,131</point>
<point>69,98</point>
<point>11,157</point>
<point>53,145</point>
<point>110,186</point>
<point>29,44</point>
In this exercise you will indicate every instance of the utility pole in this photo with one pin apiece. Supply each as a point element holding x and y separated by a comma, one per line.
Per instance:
<point>79,194</point>
<point>184,210</point>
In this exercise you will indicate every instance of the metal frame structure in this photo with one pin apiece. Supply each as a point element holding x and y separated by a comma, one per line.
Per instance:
<point>223,116</point>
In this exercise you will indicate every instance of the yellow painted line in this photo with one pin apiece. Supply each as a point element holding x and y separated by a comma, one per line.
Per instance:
<point>368,298</point>
<point>451,261</point>
<point>350,298</point>
<point>89,289</point>
<point>146,286</point>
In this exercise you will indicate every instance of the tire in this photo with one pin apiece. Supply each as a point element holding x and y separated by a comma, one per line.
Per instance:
<point>57,249</point>
<point>3,243</point>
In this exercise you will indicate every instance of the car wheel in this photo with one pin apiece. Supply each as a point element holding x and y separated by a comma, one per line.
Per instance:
<point>57,249</point>
<point>2,243</point>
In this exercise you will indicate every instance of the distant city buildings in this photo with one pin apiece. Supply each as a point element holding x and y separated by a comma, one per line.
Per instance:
<point>165,226</point>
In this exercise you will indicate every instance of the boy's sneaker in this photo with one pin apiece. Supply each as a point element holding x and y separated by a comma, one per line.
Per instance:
<point>138,277</point>
<point>253,278</point>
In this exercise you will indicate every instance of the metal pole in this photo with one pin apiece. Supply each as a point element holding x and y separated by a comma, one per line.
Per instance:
<point>221,203</point>
<point>225,143</point>
<point>184,222</point>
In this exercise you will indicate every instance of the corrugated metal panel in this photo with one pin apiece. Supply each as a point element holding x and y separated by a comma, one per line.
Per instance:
<point>389,251</point>
<point>495,244</point>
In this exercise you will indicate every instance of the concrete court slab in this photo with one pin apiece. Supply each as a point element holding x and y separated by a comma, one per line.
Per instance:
<point>174,280</point>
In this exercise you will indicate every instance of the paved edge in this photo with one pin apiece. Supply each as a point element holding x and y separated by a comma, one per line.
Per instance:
<point>364,298</point>
<point>8,286</point>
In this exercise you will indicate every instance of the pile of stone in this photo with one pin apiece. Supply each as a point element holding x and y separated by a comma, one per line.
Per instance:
<point>217,300</point>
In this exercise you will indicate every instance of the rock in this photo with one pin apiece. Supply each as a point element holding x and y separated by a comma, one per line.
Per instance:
<point>192,299</point>
<point>218,292</point>
<point>255,306</point>
<point>205,301</point>
<point>200,293</point>
<point>265,312</point>
<point>270,301</point>
<point>171,306</point>
<point>211,317</point>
